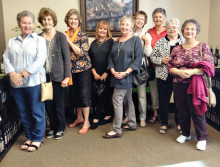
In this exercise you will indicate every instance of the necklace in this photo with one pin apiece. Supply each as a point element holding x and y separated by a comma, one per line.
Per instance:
<point>48,49</point>
<point>119,47</point>
<point>100,43</point>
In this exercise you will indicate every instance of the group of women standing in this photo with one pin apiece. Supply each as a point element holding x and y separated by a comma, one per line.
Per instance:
<point>59,57</point>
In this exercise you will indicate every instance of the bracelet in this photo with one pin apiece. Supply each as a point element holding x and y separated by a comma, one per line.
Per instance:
<point>127,73</point>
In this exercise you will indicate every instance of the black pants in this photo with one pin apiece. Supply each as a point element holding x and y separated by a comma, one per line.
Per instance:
<point>165,89</point>
<point>55,108</point>
<point>103,104</point>
<point>187,110</point>
<point>81,94</point>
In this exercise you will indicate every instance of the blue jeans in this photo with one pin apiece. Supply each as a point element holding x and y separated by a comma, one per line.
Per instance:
<point>32,111</point>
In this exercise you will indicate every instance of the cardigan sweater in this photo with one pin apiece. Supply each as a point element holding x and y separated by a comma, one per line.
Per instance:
<point>60,65</point>
<point>124,60</point>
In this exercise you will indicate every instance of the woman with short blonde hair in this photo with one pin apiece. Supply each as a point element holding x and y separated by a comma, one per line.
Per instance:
<point>122,66</point>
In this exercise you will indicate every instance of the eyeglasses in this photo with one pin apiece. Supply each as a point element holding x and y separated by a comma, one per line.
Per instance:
<point>172,28</point>
<point>140,19</point>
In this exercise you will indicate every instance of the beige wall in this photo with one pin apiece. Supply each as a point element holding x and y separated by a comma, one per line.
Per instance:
<point>214,24</point>
<point>181,9</point>
<point>2,33</point>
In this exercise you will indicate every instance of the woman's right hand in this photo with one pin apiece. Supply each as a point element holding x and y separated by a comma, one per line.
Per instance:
<point>97,76</point>
<point>16,79</point>
<point>145,39</point>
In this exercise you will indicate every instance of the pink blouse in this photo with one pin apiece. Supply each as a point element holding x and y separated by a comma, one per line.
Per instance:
<point>185,59</point>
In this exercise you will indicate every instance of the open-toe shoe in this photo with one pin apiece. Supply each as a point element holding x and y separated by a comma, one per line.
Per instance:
<point>34,147</point>
<point>75,123</point>
<point>25,145</point>
<point>153,119</point>
<point>163,129</point>
<point>127,127</point>
<point>108,136</point>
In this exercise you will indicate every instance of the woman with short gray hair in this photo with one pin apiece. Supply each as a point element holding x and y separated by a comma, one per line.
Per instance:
<point>24,58</point>
<point>122,66</point>
<point>157,32</point>
<point>182,64</point>
<point>160,57</point>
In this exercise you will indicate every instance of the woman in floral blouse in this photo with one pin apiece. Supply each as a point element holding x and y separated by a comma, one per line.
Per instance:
<point>81,69</point>
<point>183,58</point>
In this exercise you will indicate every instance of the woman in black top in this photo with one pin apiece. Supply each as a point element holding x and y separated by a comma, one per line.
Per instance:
<point>99,53</point>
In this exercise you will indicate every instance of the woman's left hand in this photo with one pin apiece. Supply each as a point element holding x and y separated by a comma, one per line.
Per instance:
<point>64,83</point>
<point>121,75</point>
<point>67,37</point>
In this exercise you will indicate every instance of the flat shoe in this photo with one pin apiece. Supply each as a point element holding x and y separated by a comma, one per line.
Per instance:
<point>75,124</point>
<point>26,145</point>
<point>35,147</point>
<point>84,130</point>
<point>142,124</point>
<point>163,131</point>
<point>153,119</point>
<point>105,121</point>
<point>116,135</point>
<point>127,127</point>
<point>94,125</point>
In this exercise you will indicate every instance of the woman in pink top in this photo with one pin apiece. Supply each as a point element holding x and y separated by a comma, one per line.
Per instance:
<point>183,58</point>
<point>157,32</point>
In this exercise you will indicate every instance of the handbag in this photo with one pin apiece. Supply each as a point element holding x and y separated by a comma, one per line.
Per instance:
<point>98,89</point>
<point>211,98</point>
<point>46,90</point>
<point>141,77</point>
<point>151,73</point>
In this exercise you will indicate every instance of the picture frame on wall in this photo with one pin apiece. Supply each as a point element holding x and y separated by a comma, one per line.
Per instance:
<point>93,11</point>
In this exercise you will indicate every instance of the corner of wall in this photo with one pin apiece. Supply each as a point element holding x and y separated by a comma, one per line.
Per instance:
<point>2,31</point>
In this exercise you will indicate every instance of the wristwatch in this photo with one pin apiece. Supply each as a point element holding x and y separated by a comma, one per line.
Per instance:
<point>22,75</point>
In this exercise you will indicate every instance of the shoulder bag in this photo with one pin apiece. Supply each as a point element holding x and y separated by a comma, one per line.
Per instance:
<point>211,98</point>
<point>142,77</point>
<point>46,90</point>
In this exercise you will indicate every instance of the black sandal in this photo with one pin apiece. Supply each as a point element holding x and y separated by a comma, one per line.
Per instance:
<point>127,127</point>
<point>25,144</point>
<point>34,146</point>
<point>163,131</point>
<point>116,135</point>
<point>153,119</point>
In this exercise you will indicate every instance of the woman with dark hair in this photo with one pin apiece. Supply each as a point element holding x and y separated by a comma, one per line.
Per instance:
<point>57,70</point>
<point>99,52</point>
<point>24,58</point>
<point>183,59</point>
<point>157,32</point>
<point>81,69</point>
